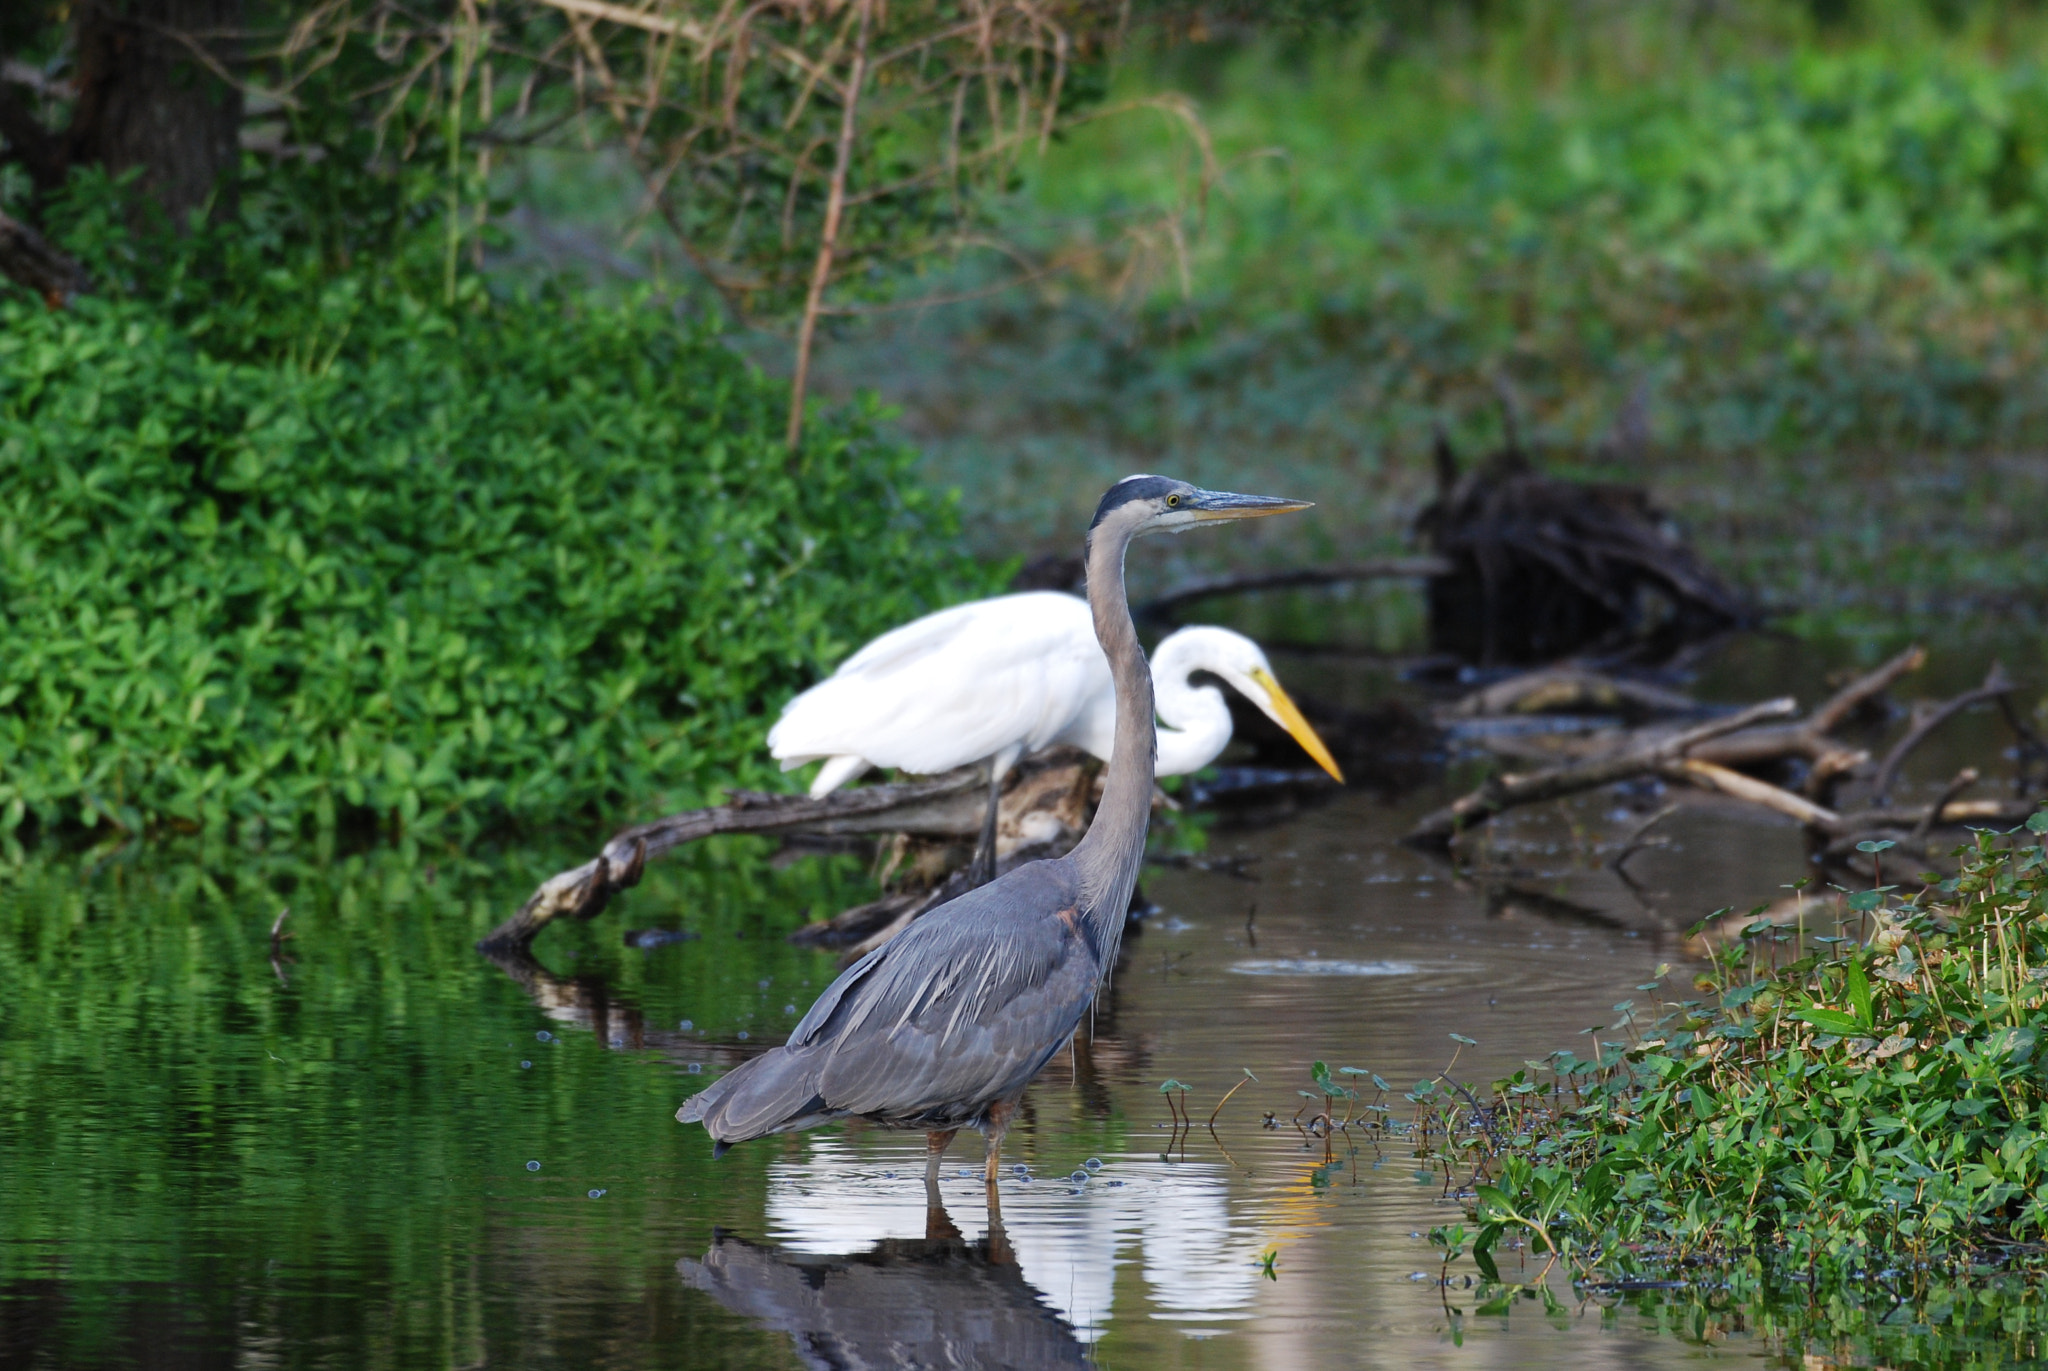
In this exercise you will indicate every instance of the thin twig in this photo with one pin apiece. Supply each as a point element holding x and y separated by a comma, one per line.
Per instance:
<point>828,237</point>
<point>1996,685</point>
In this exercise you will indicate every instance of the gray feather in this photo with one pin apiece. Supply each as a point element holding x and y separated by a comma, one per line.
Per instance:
<point>959,1011</point>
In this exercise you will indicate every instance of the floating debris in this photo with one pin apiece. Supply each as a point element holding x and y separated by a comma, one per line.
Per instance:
<point>1317,966</point>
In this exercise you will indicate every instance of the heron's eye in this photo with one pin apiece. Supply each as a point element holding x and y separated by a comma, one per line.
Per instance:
<point>1172,500</point>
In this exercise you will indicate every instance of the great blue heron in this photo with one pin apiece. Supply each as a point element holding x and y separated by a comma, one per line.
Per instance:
<point>1000,678</point>
<point>943,1027</point>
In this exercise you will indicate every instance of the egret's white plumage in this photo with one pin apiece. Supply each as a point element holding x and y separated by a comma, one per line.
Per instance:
<point>1005,677</point>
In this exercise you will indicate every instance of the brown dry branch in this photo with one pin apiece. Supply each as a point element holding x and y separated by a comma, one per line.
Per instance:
<point>792,148</point>
<point>1712,776</point>
<point>1711,758</point>
<point>1997,685</point>
<point>950,804</point>
<point>1509,791</point>
<point>26,257</point>
<point>835,210</point>
<point>1045,805</point>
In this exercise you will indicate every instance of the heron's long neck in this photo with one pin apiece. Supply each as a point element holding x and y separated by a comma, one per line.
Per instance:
<point>1109,856</point>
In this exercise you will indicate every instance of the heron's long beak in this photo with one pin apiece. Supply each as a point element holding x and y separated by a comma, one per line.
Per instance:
<point>1222,504</point>
<point>1286,714</point>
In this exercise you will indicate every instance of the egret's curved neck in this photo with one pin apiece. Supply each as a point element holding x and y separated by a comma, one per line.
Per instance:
<point>1197,718</point>
<point>1109,856</point>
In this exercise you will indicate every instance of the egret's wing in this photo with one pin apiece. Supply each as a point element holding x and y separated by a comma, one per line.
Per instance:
<point>951,688</point>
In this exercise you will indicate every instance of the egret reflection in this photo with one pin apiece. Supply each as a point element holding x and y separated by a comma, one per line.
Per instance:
<point>1173,1221</point>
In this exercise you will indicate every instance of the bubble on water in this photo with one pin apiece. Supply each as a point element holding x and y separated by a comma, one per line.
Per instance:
<point>533,1166</point>
<point>1021,1169</point>
<point>789,1009</point>
<point>1113,1184</point>
<point>966,1173</point>
<point>742,1035</point>
<point>1093,1163</point>
<point>526,1066</point>
<point>597,1194</point>
<point>696,1068</point>
<point>686,1025</point>
<point>544,1036</point>
<point>1079,1178</point>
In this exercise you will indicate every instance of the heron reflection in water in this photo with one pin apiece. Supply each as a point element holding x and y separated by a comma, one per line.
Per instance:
<point>944,1026</point>
<point>936,1302</point>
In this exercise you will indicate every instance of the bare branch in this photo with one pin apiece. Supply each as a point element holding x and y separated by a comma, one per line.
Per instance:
<point>29,259</point>
<point>828,238</point>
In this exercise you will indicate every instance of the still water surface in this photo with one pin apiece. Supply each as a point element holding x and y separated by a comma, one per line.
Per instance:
<point>380,1149</point>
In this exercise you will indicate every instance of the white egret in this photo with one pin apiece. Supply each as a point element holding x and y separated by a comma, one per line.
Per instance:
<point>995,680</point>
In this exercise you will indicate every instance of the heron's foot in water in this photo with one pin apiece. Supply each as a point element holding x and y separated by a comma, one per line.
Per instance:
<point>934,1149</point>
<point>999,1116</point>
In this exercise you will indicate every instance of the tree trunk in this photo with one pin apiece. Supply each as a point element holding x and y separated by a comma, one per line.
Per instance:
<point>149,101</point>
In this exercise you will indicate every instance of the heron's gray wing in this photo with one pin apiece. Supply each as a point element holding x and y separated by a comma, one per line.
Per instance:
<point>965,1005</point>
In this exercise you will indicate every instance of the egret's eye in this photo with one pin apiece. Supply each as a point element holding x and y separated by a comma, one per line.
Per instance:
<point>1172,501</point>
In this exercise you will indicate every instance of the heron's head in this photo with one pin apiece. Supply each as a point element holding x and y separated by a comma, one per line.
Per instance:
<point>1242,665</point>
<point>1160,504</point>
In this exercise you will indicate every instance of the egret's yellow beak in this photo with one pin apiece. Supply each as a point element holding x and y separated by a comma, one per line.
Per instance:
<point>1288,716</point>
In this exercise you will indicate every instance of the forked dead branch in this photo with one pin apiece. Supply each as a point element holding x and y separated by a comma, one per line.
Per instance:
<point>1722,754</point>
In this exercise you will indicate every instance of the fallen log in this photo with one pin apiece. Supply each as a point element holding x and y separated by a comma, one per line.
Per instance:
<point>1806,739</point>
<point>951,805</point>
<point>1709,757</point>
<point>1712,776</point>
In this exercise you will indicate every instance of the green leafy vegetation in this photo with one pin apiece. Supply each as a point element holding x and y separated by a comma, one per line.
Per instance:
<point>1833,1105</point>
<point>316,551</point>
<point>1785,274</point>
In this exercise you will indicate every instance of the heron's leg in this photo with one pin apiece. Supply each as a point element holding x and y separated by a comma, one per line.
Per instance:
<point>999,1116</point>
<point>935,1148</point>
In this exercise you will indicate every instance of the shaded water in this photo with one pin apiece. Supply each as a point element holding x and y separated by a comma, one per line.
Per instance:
<point>381,1150</point>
